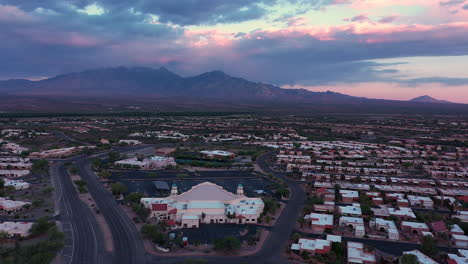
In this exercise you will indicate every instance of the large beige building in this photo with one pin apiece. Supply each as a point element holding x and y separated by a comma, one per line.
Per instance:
<point>205,203</point>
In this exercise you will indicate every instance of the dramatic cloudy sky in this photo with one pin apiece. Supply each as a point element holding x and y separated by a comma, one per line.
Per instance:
<point>395,49</point>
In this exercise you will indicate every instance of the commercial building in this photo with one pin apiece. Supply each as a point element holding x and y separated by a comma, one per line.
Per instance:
<point>205,203</point>
<point>217,154</point>
<point>152,163</point>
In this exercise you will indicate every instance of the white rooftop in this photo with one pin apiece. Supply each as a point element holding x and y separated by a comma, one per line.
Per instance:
<point>423,259</point>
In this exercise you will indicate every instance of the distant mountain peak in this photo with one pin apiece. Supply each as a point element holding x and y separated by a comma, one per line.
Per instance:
<point>428,99</point>
<point>216,73</point>
<point>164,69</point>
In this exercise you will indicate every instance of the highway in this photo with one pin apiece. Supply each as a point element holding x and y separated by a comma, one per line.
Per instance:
<point>128,246</point>
<point>83,239</point>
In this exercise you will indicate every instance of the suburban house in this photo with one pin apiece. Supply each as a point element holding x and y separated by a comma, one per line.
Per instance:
<point>387,226</point>
<point>439,227</point>
<point>358,254</point>
<point>356,223</point>
<point>325,207</point>
<point>414,227</point>
<point>320,222</point>
<point>205,203</point>
<point>456,230</point>
<point>10,206</point>
<point>460,258</point>
<point>421,257</point>
<point>312,246</point>
<point>402,213</point>
<point>351,210</point>
<point>460,241</point>
<point>349,196</point>
<point>420,201</point>
<point>17,184</point>
<point>16,229</point>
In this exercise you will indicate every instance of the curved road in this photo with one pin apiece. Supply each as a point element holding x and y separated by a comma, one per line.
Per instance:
<point>128,245</point>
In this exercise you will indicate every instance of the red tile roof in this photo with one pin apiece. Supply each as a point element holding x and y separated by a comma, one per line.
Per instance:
<point>159,207</point>
<point>170,222</point>
<point>439,226</point>
<point>321,190</point>
<point>173,211</point>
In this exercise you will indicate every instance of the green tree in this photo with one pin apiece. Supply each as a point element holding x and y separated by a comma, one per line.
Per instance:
<point>134,197</point>
<point>96,163</point>
<point>118,188</point>
<point>429,246</point>
<point>195,261</point>
<point>40,166</point>
<point>227,244</point>
<point>409,259</point>
<point>113,157</point>
<point>73,170</point>
<point>41,226</point>
<point>282,192</point>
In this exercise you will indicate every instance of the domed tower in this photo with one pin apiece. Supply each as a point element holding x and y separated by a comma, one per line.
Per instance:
<point>240,190</point>
<point>174,191</point>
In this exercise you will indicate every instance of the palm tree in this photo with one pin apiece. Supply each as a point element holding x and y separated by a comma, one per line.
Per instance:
<point>203,215</point>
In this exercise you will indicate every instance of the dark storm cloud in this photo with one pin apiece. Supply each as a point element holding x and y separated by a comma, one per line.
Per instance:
<point>51,38</point>
<point>451,2</point>
<point>442,80</point>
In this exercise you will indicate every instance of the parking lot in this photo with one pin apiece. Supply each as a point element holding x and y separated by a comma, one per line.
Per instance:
<point>209,233</point>
<point>137,181</point>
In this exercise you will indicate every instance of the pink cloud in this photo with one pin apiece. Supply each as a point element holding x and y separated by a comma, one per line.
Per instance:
<point>395,91</point>
<point>74,39</point>
<point>370,32</point>
<point>14,14</point>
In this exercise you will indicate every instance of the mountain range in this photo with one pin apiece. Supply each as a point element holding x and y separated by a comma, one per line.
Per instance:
<point>215,88</point>
<point>144,82</point>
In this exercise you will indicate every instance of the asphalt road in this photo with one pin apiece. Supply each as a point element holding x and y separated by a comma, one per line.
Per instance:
<point>128,246</point>
<point>87,244</point>
<point>83,239</point>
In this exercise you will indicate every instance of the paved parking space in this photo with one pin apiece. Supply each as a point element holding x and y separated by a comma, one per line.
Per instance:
<point>228,180</point>
<point>174,174</point>
<point>208,233</point>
